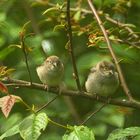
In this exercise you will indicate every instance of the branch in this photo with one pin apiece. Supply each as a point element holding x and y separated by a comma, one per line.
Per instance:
<point>25,55</point>
<point>93,113</point>
<point>26,84</point>
<point>45,105</point>
<point>76,76</point>
<point>108,18</point>
<point>122,25</point>
<point>134,44</point>
<point>123,82</point>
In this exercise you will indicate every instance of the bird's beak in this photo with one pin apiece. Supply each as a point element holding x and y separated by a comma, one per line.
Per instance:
<point>111,72</point>
<point>55,64</point>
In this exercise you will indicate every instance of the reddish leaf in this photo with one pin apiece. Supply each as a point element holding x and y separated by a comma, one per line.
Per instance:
<point>3,88</point>
<point>1,101</point>
<point>6,104</point>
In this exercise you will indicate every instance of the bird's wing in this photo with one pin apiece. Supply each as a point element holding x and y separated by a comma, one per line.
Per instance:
<point>93,69</point>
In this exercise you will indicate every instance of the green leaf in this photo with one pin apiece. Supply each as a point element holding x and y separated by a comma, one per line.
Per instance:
<point>67,45</point>
<point>15,45</point>
<point>31,126</point>
<point>77,15</point>
<point>14,130</point>
<point>123,133</point>
<point>79,133</point>
<point>52,9</point>
<point>130,25</point>
<point>58,27</point>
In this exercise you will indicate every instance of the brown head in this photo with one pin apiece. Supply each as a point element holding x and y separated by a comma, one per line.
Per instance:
<point>54,62</point>
<point>106,68</point>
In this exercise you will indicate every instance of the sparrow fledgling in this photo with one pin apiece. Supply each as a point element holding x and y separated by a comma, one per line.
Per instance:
<point>103,79</point>
<point>51,71</point>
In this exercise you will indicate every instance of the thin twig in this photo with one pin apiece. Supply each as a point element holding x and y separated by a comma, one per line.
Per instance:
<point>25,84</point>
<point>93,113</point>
<point>76,76</point>
<point>134,44</point>
<point>25,56</point>
<point>45,105</point>
<point>122,25</point>
<point>123,82</point>
<point>58,124</point>
<point>28,107</point>
<point>112,21</point>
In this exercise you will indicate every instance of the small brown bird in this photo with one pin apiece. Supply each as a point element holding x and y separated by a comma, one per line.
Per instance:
<point>103,79</point>
<point>51,71</point>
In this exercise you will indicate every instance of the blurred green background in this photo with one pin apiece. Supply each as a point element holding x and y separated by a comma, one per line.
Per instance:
<point>50,39</point>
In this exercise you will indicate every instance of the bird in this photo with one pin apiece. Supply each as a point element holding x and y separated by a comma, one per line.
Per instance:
<point>103,79</point>
<point>51,72</point>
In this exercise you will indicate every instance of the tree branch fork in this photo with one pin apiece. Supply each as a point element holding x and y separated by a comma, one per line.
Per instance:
<point>73,93</point>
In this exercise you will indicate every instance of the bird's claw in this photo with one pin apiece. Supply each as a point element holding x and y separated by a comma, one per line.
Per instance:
<point>46,87</point>
<point>108,100</point>
<point>96,96</point>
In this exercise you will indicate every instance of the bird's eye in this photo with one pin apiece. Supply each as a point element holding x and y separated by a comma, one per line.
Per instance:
<point>49,62</point>
<point>105,68</point>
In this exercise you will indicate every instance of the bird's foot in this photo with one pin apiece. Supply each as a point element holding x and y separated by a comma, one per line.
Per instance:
<point>96,96</point>
<point>30,83</point>
<point>46,87</point>
<point>59,90</point>
<point>108,100</point>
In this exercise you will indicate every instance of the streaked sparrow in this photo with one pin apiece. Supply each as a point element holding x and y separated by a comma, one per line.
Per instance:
<point>51,71</point>
<point>103,79</point>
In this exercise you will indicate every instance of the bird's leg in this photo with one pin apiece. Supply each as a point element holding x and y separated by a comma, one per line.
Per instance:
<point>60,90</point>
<point>29,83</point>
<point>62,86</point>
<point>108,99</point>
<point>96,96</point>
<point>46,87</point>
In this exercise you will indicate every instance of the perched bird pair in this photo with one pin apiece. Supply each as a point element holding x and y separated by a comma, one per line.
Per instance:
<point>102,80</point>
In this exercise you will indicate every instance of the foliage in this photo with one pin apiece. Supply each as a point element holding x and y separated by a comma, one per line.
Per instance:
<point>80,133</point>
<point>29,128</point>
<point>30,31</point>
<point>127,133</point>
